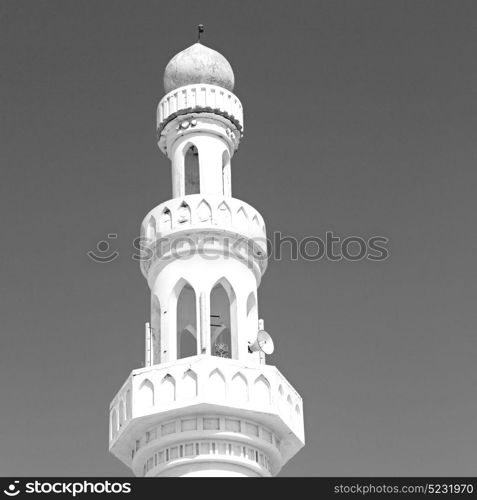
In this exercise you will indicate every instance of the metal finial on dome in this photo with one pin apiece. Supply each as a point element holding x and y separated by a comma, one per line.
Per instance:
<point>200,29</point>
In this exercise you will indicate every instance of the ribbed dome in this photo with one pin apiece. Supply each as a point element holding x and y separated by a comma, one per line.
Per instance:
<point>198,64</point>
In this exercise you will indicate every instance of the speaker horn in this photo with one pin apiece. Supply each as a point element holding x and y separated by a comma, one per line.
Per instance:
<point>263,343</point>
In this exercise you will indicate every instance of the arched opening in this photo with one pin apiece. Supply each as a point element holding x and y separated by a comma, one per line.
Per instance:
<point>186,323</point>
<point>156,330</point>
<point>239,388</point>
<point>261,391</point>
<point>217,386</point>
<point>167,389</point>
<point>146,395</point>
<point>226,174</point>
<point>128,404</point>
<point>151,228</point>
<point>121,414</point>
<point>191,171</point>
<point>189,385</point>
<point>165,220</point>
<point>183,213</point>
<point>222,320</point>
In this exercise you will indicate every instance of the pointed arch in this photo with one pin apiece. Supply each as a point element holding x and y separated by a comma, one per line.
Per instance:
<point>223,320</point>
<point>217,384</point>
<point>191,169</point>
<point>261,391</point>
<point>239,388</point>
<point>189,385</point>
<point>226,174</point>
<point>256,221</point>
<point>224,214</point>
<point>252,320</point>
<point>114,423</point>
<point>128,405</point>
<point>204,212</point>
<point>151,228</point>
<point>290,406</point>
<point>183,213</point>
<point>241,216</point>
<point>121,413</point>
<point>146,394</point>
<point>186,314</point>
<point>165,220</point>
<point>167,389</point>
<point>156,318</point>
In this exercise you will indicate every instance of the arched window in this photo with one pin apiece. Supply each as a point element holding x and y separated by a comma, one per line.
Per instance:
<point>222,320</point>
<point>191,171</point>
<point>186,323</point>
<point>226,174</point>
<point>156,330</point>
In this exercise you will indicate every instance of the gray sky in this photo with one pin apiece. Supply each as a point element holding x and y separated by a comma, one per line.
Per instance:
<point>360,118</point>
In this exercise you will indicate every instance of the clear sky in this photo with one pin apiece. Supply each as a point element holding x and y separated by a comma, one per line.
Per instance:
<point>360,118</point>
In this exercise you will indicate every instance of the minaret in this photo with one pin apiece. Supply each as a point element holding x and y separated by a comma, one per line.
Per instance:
<point>205,403</point>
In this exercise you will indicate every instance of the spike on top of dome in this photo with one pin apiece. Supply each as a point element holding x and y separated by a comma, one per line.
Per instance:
<point>198,64</point>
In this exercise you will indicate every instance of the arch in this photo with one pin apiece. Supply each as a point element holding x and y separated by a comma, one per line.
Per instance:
<point>121,413</point>
<point>297,410</point>
<point>204,212</point>
<point>151,228</point>
<point>252,320</point>
<point>146,394</point>
<point>239,388</point>
<point>290,406</point>
<point>261,391</point>
<point>223,320</point>
<point>189,385</point>
<point>156,329</point>
<point>165,220</point>
<point>191,170</point>
<point>186,334</point>
<point>224,214</point>
<point>226,174</point>
<point>128,405</point>
<point>241,216</point>
<point>255,220</point>
<point>183,213</point>
<point>167,389</point>
<point>217,384</point>
<point>114,423</point>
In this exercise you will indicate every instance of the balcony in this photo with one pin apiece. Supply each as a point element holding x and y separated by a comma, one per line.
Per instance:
<point>151,400</point>
<point>209,215</point>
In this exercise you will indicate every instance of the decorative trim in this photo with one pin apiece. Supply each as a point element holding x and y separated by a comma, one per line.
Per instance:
<point>199,98</point>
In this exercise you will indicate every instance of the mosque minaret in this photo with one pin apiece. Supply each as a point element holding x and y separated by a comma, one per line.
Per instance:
<point>205,403</point>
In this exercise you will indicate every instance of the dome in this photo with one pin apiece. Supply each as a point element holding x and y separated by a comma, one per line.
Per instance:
<point>198,64</point>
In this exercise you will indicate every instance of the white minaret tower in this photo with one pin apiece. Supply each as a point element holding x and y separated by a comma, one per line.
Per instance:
<point>205,403</point>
